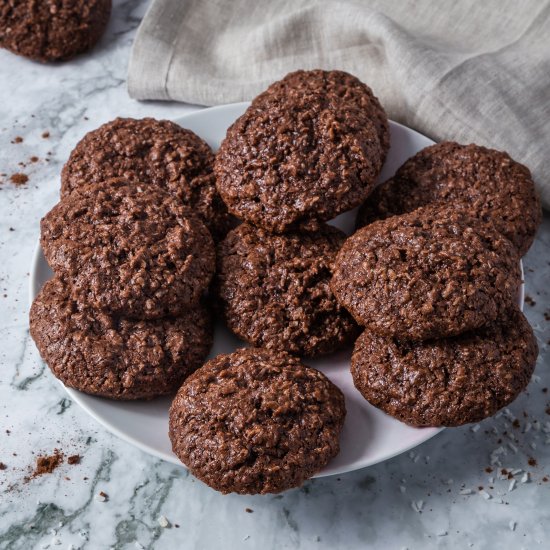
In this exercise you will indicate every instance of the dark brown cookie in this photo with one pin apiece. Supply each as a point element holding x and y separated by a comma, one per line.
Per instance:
<point>99,354</point>
<point>487,183</point>
<point>129,249</point>
<point>149,151</point>
<point>52,30</point>
<point>256,421</point>
<point>434,272</point>
<point>447,382</point>
<point>293,164</point>
<point>275,292</point>
<point>337,84</point>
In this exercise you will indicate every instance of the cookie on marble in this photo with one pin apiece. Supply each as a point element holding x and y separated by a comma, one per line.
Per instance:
<point>431,273</point>
<point>100,354</point>
<point>274,290</point>
<point>256,421</point>
<point>447,382</point>
<point>155,152</point>
<point>337,84</point>
<point>130,249</point>
<point>292,164</point>
<point>52,30</point>
<point>487,183</point>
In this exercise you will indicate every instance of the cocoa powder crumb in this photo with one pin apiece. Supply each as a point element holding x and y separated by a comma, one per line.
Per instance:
<point>18,139</point>
<point>74,459</point>
<point>529,300</point>
<point>47,464</point>
<point>515,423</point>
<point>545,479</point>
<point>489,469</point>
<point>2,466</point>
<point>532,461</point>
<point>34,159</point>
<point>19,179</point>
<point>249,510</point>
<point>46,135</point>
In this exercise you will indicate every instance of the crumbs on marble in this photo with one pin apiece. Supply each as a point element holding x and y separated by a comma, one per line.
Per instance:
<point>46,134</point>
<point>249,510</point>
<point>17,139</point>
<point>3,466</point>
<point>19,178</point>
<point>530,301</point>
<point>102,497</point>
<point>163,522</point>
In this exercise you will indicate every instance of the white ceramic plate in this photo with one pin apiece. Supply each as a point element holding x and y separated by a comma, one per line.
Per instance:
<point>369,435</point>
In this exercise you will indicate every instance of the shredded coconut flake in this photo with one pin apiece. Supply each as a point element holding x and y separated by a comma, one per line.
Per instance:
<point>485,494</point>
<point>525,477</point>
<point>512,447</point>
<point>465,491</point>
<point>163,522</point>
<point>512,485</point>
<point>512,525</point>
<point>475,428</point>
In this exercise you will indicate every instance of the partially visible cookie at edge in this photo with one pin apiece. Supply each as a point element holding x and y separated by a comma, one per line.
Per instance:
<point>432,273</point>
<point>113,357</point>
<point>52,31</point>
<point>155,152</point>
<point>256,421</point>
<point>487,183</point>
<point>132,250</point>
<point>274,290</point>
<point>451,381</point>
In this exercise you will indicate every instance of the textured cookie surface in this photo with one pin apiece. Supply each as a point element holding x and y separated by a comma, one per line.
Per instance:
<point>256,421</point>
<point>275,292</point>
<point>52,30</point>
<point>118,358</point>
<point>447,382</point>
<point>149,151</point>
<point>487,183</point>
<point>129,249</point>
<point>434,272</point>
<point>337,84</point>
<point>294,163</point>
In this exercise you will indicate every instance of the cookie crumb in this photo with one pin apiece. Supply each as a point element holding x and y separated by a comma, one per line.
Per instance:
<point>74,459</point>
<point>19,178</point>
<point>47,464</point>
<point>102,497</point>
<point>2,466</point>
<point>532,462</point>
<point>34,159</point>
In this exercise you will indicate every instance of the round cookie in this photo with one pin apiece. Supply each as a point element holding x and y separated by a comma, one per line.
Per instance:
<point>256,421</point>
<point>129,249</point>
<point>432,273</point>
<point>149,151</point>
<point>337,84</point>
<point>52,30</point>
<point>291,164</point>
<point>99,354</point>
<point>487,183</point>
<point>447,382</point>
<point>274,290</point>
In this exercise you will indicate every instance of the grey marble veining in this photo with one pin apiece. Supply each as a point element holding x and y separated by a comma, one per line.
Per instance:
<point>418,500</point>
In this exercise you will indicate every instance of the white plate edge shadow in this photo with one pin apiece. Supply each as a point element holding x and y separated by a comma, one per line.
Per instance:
<point>89,403</point>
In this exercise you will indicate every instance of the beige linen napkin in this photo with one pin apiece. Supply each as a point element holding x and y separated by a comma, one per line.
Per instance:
<point>463,70</point>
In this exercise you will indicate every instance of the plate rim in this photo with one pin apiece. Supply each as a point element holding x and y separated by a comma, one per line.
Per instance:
<point>79,397</point>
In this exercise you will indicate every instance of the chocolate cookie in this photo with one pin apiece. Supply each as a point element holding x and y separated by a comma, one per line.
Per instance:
<point>337,84</point>
<point>129,249</point>
<point>52,30</point>
<point>275,292</point>
<point>256,421</point>
<point>487,183</point>
<point>447,382</point>
<point>97,353</point>
<point>434,272</point>
<point>293,164</point>
<point>149,151</point>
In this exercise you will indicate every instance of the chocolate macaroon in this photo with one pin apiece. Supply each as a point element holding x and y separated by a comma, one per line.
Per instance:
<point>488,184</point>
<point>274,290</point>
<point>287,165</point>
<point>256,421</point>
<point>151,152</point>
<point>52,30</point>
<point>129,249</point>
<point>100,354</point>
<point>432,273</point>
<point>450,381</point>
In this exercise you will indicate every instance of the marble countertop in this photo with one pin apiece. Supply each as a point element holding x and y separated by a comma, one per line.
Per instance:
<point>428,498</point>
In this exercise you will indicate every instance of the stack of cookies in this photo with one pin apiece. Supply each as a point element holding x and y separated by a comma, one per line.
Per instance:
<point>434,277</point>
<point>132,257</point>
<point>307,149</point>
